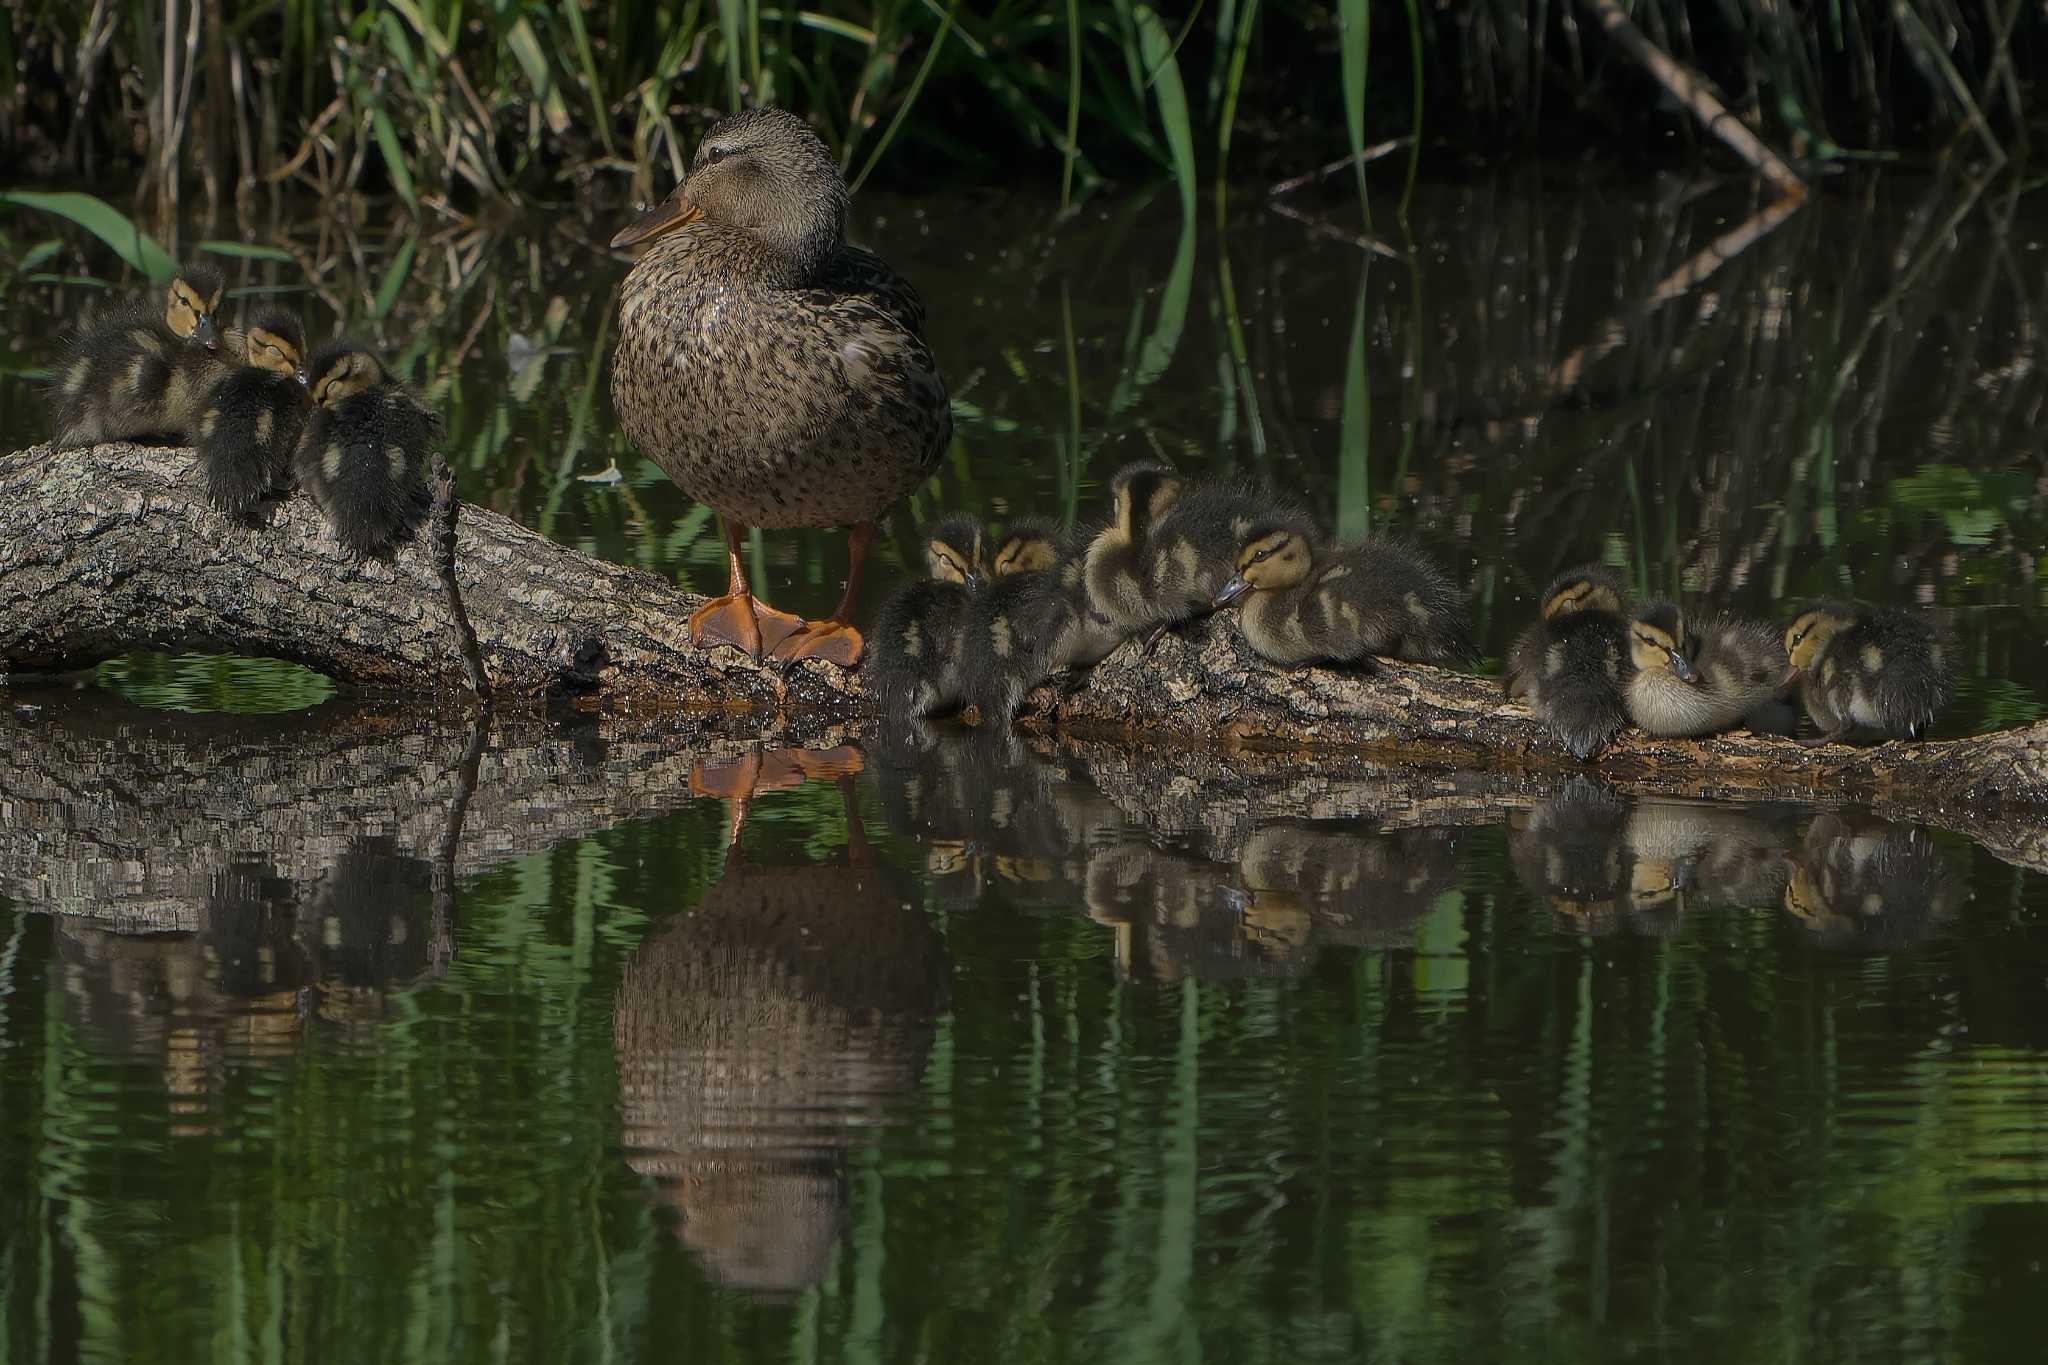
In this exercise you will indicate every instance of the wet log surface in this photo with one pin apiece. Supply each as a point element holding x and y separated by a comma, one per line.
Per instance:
<point>113,548</point>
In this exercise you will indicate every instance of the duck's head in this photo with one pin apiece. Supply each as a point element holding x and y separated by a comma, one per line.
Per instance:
<point>1808,635</point>
<point>762,172</point>
<point>1587,589</point>
<point>1657,639</point>
<point>1024,547</point>
<point>278,344</point>
<point>1270,558</point>
<point>953,552</point>
<point>194,305</point>
<point>342,369</point>
<point>1142,493</point>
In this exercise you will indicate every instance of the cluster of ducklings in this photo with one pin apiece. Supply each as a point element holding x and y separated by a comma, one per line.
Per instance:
<point>260,411</point>
<point>1592,663</point>
<point>982,628</point>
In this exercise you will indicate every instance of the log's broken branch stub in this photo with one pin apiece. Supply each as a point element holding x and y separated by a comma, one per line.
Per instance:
<point>113,548</point>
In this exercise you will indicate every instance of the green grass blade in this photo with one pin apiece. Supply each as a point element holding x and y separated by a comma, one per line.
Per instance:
<point>1354,38</point>
<point>1156,47</point>
<point>729,26</point>
<point>1071,150</point>
<point>526,51</point>
<point>105,222</point>
<point>394,158</point>
<point>247,251</point>
<point>924,70</point>
<point>394,277</point>
<point>1354,466</point>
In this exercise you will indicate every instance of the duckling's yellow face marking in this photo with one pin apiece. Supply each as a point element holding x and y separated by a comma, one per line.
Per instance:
<point>1023,551</point>
<point>353,373</point>
<point>190,314</point>
<point>1651,648</point>
<point>1278,559</point>
<point>945,562</point>
<point>271,352</point>
<point>1581,594</point>
<point>1809,634</point>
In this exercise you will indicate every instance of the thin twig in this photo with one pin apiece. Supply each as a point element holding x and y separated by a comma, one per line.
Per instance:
<point>442,547</point>
<point>1362,158</point>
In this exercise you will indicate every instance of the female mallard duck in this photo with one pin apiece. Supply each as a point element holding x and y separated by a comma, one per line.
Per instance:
<point>778,375</point>
<point>1700,682</point>
<point>139,373</point>
<point>1571,663</point>
<point>916,666</point>
<point>1113,568</point>
<point>1347,603</point>
<point>363,452</point>
<point>253,416</point>
<point>1870,668</point>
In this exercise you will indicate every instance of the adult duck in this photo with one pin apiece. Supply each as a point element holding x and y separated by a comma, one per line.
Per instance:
<point>778,375</point>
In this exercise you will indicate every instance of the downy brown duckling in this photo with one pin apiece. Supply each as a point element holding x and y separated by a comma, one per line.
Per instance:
<point>915,668</point>
<point>253,416</point>
<point>1191,551</point>
<point>363,452</point>
<point>1867,668</point>
<point>1700,682</point>
<point>138,373</point>
<point>1014,623</point>
<point>1571,664</point>
<point>1346,603</point>
<point>1113,568</point>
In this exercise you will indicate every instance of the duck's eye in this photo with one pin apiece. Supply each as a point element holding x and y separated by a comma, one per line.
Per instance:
<point>715,153</point>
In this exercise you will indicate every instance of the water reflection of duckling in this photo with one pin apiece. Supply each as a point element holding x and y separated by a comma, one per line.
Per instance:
<point>1570,852</point>
<point>1571,664</point>
<point>1867,668</point>
<point>1361,888</point>
<point>1176,916</point>
<point>918,636</point>
<point>363,454</point>
<point>1114,565</point>
<point>761,1035</point>
<point>1858,881</point>
<point>1707,851</point>
<point>253,416</point>
<point>138,373</point>
<point>1345,604</point>
<point>374,916</point>
<point>1701,681</point>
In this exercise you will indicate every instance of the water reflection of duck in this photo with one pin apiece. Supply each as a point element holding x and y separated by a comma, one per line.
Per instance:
<point>778,375</point>
<point>1349,886</point>
<point>1859,881</point>
<point>373,917</point>
<point>1174,916</point>
<point>1685,851</point>
<point>1570,852</point>
<point>760,1033</point>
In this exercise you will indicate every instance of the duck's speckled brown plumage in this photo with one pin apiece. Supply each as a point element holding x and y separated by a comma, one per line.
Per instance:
<point>776,374</point>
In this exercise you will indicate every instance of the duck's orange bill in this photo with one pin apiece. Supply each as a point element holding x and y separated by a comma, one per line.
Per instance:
<point>670,214</point>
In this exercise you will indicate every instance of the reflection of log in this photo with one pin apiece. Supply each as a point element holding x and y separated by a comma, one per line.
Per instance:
<point>760,1034</point>
<point>113,548</point>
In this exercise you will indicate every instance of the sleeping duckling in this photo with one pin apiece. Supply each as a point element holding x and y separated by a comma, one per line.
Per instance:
<point>1191,551</point>
<point>916,664</point>
<point>1870,668</point>
<point>1701,682</point>
<point>1114,564</point>
<point>1372,597</point>
<point>363,452</point>
<point>1570,664</point>
<point>138,373</point>
<point>253,416</point>
<point>1012,623</point>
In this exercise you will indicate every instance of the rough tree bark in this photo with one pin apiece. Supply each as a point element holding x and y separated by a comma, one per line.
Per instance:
<point>113,548</point>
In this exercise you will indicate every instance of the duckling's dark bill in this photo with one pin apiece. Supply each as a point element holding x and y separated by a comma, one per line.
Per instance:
<point>668,215</point>
<point>1234,589</point>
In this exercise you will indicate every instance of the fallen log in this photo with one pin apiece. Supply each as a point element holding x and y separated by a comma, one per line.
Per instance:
<point>113,548</point>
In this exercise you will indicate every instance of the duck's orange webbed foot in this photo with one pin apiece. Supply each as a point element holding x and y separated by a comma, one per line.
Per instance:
<point>835,642</point>
<point>744,622</point>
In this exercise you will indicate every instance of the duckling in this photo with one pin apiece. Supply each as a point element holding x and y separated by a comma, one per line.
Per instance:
<point>1870,668</point>
<point>1113,566</point>
<point>1013,622</point>
<point>1570,664</point>
<point>1689,682</point>
<point>1189,553</point>
<point>363,451</point>
<point>916,664</point>
<point>1347,603</point>
<point>136,373</point>
<point>253,416</point>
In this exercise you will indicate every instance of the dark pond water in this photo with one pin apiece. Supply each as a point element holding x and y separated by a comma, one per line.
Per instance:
<point>335,1032</point>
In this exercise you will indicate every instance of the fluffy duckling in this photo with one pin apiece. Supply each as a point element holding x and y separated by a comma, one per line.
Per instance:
<point>253,416</point>
<point>1570,665</point>
<point>1700,682</point>
<point>363,452</point>
<point>1190,552</point>
<point>1014,621</point>
<point>920,633</point>
<point>1868,668</point>
<point>137,373</point>
<point>1347,603</point>
<point>1113,567</point>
